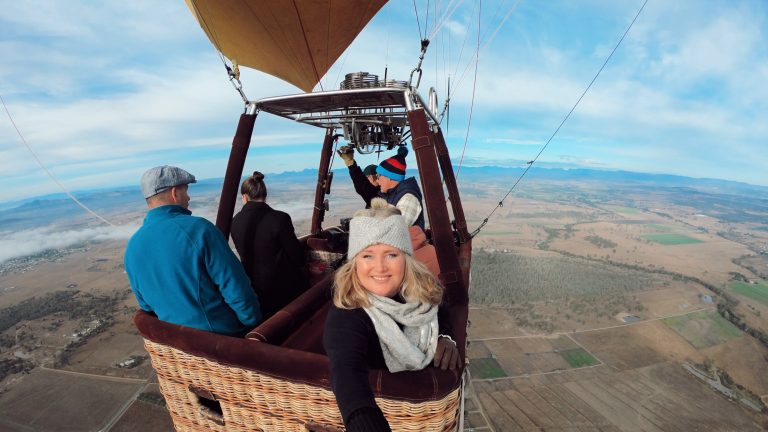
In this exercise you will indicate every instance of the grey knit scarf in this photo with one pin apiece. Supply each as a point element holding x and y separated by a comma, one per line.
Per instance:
<point>413,347</point>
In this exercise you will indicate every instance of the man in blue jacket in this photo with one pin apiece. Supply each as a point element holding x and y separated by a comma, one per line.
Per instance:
<point>180,266</point>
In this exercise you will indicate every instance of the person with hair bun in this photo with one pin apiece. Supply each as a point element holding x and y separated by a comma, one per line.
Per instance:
<point>384,315</point>
<point>269,250</point>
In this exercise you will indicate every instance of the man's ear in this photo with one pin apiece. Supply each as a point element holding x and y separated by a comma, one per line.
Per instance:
<point>173,195</point>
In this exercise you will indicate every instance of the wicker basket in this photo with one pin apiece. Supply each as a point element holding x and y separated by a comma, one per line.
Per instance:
<point>203,395</point>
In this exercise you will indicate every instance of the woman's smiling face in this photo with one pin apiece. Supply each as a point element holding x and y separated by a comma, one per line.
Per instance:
<point>381,269</point>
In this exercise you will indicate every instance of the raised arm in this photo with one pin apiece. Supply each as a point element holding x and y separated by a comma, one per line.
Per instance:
<point>363,187</point>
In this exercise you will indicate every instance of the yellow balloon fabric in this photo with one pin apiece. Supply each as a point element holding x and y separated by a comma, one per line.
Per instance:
<point>294,40</point>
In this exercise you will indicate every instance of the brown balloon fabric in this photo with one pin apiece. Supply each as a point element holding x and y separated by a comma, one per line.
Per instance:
<point>294,40</point>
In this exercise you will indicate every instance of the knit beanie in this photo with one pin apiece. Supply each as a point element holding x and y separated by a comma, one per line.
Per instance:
<point>381,223</point>
<point>394,167</point>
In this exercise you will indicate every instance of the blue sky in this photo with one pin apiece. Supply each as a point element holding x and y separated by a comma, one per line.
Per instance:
<point>104,90</point>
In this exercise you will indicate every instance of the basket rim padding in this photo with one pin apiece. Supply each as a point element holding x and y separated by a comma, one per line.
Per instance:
<point>292,365</point>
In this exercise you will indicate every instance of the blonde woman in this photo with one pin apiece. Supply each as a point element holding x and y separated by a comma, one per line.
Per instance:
<point>384,315</point>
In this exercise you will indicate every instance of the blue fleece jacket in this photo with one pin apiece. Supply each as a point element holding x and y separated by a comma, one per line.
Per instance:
<point>181,268</point>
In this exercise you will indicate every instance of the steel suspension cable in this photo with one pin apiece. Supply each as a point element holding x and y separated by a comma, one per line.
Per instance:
<point>232,72</point>
<point>451,8</point>
<point>567,116</point>
<point>50,174</point>
<point>449,92</point>
<point>418,21</point>
<point>474,88</point>
<point>477,53</point>
<point>489,40</point>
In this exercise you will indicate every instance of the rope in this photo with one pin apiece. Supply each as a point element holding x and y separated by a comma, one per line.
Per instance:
<point>477,54</point>
<point>306,43</point>
<point>418,21</point>
<point>341,67</point>
<point>439,25</point>
<point>48,172</point>
<point>488,42</point>
<point>567,116</point>
<point>232,72</point>
<point>474,87</point>
<point>461,52</point>
<point>210,31</point>
<point>333,155</point>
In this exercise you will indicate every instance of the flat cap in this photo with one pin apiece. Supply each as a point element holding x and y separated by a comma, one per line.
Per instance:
<point>158,179</point>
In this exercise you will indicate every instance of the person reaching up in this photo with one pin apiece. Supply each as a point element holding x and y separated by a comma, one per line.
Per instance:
<point>364,181</point>
<point>403,193</point>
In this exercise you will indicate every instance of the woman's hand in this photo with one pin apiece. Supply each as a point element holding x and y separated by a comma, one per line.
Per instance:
<point>447,354</point>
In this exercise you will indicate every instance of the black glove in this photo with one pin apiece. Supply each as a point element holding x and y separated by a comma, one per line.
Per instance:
<point>347,153</point>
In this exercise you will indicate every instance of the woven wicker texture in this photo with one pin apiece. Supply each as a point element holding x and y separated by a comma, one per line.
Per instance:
<point>252,401</point>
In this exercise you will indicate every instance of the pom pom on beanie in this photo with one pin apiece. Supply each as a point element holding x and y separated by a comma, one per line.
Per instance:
<point>394,167</point>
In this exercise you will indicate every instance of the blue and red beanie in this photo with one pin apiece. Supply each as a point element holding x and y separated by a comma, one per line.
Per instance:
<point>394,167</point>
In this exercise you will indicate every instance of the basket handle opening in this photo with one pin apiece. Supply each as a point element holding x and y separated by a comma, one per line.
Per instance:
<point>317,427</point>
<point>209,407</point>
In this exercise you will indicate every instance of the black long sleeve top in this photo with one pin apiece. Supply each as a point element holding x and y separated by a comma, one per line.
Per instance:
<point>353,348</point>
<point>363,187</point>
<point>271,254</point>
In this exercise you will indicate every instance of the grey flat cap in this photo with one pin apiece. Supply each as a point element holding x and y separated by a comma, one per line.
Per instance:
<point>158,179</point>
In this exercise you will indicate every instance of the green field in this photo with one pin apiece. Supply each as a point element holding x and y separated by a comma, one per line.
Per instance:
<point>757,292</point>
<point>662,228</point>
<point>703,329</point>
<point>671,239</point>
<point>483,368</point>
<point>563,343</point>
<point>577,357</point>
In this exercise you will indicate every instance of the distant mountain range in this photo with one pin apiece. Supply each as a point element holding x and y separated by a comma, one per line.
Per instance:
<point>46,209</point>
<point>617,177</point>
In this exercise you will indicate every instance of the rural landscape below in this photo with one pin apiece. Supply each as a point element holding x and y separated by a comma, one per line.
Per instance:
<point>600,301</point>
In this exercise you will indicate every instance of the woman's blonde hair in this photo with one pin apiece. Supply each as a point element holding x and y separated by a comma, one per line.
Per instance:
<point>419,285</point>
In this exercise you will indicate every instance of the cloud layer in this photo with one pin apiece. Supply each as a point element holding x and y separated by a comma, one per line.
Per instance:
<point>30,242</point>
<point>103,91</point>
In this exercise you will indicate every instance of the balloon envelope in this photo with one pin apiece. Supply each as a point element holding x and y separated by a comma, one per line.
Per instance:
<point>295,40</point>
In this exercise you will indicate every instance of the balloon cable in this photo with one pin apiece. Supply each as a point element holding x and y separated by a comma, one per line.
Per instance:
<point>50,174</point>
<point>232,72</point>
<point>418,22</point>
<point>567,116</point>
<point>474,88</point>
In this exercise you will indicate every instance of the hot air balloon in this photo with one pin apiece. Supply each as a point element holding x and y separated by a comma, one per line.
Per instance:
<point>277,378</point>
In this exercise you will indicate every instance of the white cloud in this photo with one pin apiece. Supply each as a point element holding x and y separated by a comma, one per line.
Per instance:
<point>118,86</point>
<point>720,49</point>
<point>29,242</point>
